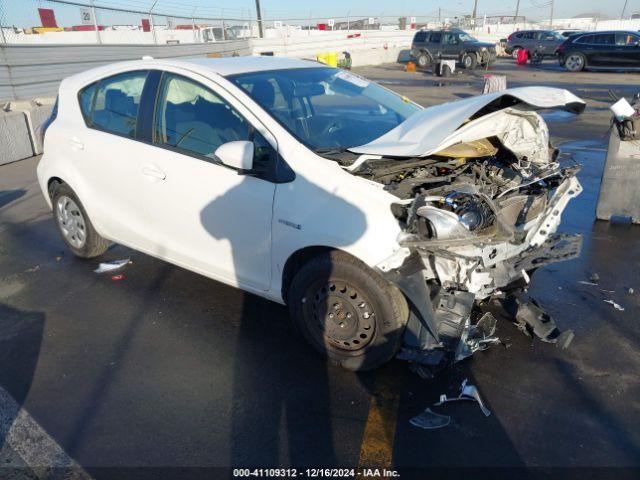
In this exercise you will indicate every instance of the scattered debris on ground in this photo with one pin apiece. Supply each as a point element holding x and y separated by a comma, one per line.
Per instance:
<point>615,305</point>
<point>117,278</point>
<point>429,420</point>
<point>595,278</point>
<point>468,391</point>
<point>113,265</point>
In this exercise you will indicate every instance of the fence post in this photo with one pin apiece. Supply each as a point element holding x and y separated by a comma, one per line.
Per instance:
<point>153,27</point>
<point>95,22</point>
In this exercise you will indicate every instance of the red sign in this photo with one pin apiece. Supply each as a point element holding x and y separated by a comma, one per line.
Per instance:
<point>146,26</point>
<point>47,18</point>
<point>322,26</point>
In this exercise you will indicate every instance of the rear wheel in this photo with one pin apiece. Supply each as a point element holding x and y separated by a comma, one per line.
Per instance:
<point>469,60</point>
<point>348,312</point>
<point>74,225</point>
<point>575,62</point>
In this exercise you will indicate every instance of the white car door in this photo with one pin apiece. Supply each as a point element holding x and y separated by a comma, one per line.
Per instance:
<point>108,157</point>
<point>204,215</point>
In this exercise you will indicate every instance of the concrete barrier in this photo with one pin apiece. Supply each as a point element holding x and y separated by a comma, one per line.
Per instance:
<point>15,141</point>
<point>35,113</point>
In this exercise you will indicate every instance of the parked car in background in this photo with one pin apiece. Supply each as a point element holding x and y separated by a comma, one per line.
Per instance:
<point>540,42</point>
<point>567,33</point>
<point>613,49</point>
<point>450,44</point>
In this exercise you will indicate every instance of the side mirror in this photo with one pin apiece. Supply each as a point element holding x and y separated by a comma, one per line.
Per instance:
<point>237,154</point>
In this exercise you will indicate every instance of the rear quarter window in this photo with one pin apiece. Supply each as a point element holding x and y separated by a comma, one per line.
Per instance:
<point>435,37</point>
<point>111,104</point>
<point>420,37</point>
<point>584,39</point>
<point>85,97</point>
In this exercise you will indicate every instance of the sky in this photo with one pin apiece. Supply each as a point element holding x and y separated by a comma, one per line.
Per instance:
<point>24,12</point>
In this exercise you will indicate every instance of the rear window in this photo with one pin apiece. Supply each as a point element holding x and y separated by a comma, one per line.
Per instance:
<point>112,103</point>
<point>604,39</point>
<point>584,39</point>
<point>435,37</point>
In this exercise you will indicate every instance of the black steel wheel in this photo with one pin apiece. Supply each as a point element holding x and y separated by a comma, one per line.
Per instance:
<point>347,311</point>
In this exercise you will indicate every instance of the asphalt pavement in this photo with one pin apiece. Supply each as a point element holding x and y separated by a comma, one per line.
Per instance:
<point>165,370</point>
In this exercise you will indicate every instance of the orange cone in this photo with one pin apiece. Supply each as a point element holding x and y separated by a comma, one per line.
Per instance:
<point>411,67</point>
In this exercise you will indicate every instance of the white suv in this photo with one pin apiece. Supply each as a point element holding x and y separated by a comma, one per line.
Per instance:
<point>377,221</point>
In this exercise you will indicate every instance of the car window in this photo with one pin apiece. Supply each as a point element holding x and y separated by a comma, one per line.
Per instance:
<point>626,39</point>
<point>115,104</point>
<point>326,108</point>
<point>450,39</point>
<point>191,118</point>
<point>604,39</point>
<point>528,35</point>
<point>420,37</point>
<point>435,37</point>
<point>584,39</point>
<point>85,97</point>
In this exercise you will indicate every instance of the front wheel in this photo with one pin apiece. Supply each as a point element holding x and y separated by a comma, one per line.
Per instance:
<point>575,62</point>
<point>74,225</point>
<point>347,311</point>
<point>423,61</point>
<point>469,60</point>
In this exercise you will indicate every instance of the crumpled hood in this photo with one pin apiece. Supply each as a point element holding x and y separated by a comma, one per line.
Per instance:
<point>424,132</point>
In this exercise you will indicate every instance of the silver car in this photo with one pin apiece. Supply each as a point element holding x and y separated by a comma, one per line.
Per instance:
<point>540,42</point>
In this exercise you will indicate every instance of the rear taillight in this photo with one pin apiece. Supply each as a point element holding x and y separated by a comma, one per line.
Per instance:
<point>510,37</point>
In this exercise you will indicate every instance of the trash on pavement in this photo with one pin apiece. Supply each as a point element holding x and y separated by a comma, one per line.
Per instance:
<point>110,266</point>
<point>615,305</point>
<point>117,278</point>
<point>595,278</point>
<point>430,420</point>
<point>468,391</point>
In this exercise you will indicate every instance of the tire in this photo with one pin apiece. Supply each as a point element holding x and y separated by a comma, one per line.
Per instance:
<point>575,62</point>
<point>347,311</point>
<point>469,61</point>
<point>74,225</point>
<point>423,61</point>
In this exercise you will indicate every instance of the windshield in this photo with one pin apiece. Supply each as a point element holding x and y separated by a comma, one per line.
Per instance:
<point>326,108</point>
<point>465,37</point>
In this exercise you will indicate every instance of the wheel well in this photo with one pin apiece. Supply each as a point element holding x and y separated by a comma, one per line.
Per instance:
<point>52,184</point>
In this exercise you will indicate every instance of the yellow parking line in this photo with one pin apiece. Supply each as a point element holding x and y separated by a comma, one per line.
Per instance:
<point>376,449</point>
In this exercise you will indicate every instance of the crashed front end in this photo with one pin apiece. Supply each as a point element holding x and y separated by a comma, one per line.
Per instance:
<point>479,213</point>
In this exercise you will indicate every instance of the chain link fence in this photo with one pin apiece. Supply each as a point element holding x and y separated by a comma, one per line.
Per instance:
<point>157,22</point>
<point>37,22</point>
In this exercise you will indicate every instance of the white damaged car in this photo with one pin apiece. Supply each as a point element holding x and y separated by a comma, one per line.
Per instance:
<point>381,224</point>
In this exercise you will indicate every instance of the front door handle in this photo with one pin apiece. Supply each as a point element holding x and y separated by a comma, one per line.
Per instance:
<point>153,172</point>
<point>75,143</point>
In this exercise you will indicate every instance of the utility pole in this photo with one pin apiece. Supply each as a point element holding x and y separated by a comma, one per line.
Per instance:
<point>551,18</point>
<point>259,15</point>
<point>623,9</point>
<point>515,20</point>
<point>439,11</point>
<point>475,10</point>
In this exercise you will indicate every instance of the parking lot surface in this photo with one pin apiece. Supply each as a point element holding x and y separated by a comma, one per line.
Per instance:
<point>165,368</point>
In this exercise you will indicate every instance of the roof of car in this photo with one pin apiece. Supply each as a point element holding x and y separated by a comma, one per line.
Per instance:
<point>233,65</point>
<point>205,66</point>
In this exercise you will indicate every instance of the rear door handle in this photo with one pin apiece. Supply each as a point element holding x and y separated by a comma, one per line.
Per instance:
<point>75,143</point>
<point>153,172</point>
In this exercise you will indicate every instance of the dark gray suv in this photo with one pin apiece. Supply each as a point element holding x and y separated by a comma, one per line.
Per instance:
<point>541,42</point>
<point>429,46</point>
